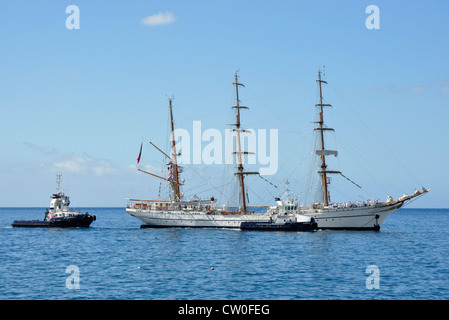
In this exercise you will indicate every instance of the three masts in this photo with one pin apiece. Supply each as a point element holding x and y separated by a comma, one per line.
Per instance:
<point>195,212</point>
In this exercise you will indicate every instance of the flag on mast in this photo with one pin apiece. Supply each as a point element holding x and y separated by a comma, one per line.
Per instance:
<point>170,174</point>
<point>140,153</point>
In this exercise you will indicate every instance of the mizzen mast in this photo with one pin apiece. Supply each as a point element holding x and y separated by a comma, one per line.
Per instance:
<point>322,153</point>
<point>240,172</point>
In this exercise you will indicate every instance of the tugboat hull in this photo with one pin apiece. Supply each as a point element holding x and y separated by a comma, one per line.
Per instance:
<point>289,226</point>
<point>80,221</point>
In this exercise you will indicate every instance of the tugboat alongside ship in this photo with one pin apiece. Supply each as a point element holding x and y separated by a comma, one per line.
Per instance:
<point>286,218</point>
<point>58,215</point>
<point>322,214</point>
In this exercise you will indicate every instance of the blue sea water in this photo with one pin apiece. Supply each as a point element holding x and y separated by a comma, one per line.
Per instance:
<point>115,259</point>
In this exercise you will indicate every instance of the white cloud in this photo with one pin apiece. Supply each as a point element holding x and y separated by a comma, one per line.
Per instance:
<point>44,150</point>
<point>437,87</point>
<point>86,165</point>
<point>159,19</point>
<point>79,164</point>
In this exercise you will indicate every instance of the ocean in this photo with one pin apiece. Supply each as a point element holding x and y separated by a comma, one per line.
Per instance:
<point>115,259</point>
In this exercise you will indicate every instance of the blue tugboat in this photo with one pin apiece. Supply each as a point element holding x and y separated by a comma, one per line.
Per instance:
<point>58,215</point>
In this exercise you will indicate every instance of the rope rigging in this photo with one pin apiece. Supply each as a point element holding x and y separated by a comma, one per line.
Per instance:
<point>350,180</point>
<point>268,181</point>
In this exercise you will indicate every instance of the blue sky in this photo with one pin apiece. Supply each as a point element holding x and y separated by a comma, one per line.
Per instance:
<point>82,101</point>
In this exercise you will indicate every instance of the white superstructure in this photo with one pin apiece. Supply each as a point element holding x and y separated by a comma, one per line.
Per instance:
<point>59,204</point>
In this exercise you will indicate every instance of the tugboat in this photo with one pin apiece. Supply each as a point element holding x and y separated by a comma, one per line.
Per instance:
<point>284,217</point>
<point>58,215</point>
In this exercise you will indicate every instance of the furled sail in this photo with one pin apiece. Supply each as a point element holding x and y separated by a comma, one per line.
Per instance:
<point>329,171</point>
<point>327,153</point>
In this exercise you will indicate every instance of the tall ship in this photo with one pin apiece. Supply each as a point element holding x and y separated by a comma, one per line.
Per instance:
<point>366,215</point>
<point>196,212</point>
<point>58,215</point>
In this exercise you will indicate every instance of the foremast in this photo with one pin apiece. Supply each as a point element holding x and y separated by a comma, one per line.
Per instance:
<point>174,182</point>
<point>240,170</point>
<point>322,152</point>
<point>173,177</point>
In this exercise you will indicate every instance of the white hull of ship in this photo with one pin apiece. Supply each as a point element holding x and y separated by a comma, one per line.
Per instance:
<point>194,219</point>
<point>355,218</point>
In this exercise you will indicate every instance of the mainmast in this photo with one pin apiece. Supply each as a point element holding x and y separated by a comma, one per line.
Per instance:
<point>175,181</point>
<point>240,173</point>
<point>322,153</point>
